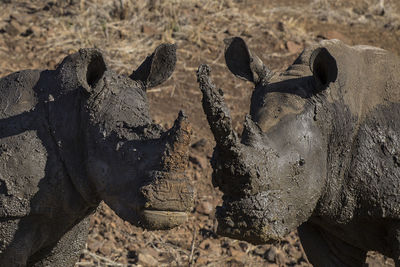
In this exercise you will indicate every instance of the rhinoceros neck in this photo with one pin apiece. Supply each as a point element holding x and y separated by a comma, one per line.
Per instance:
<point>340,127</point>
<point>359,91</point>
<point>64,108</point>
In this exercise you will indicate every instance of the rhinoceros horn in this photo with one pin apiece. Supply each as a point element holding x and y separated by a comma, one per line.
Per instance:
<point>169,197</point>
<point>235,158</point>
<point>252,133</point>
<point>219,118</point>
<point>216,111</point>
<point>177,140</point>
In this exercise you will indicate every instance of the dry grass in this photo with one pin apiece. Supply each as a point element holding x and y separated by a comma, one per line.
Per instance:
<point>128,30</point>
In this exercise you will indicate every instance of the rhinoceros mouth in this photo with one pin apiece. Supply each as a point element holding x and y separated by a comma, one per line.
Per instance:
<point>168,200</point>
<point>250,219</point>
<point>163,219</point>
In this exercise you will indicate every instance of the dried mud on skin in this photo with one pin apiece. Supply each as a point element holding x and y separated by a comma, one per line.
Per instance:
<point>39,33</point>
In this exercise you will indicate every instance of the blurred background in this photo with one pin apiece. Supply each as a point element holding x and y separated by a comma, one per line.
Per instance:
<point>38,34</point>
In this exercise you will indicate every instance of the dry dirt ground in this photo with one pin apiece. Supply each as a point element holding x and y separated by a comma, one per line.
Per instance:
<point>39,33</point>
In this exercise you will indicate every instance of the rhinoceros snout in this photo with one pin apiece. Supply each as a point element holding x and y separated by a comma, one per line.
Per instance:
<point>169,197</point>
<point>255,219</point>
<point>167,200</point>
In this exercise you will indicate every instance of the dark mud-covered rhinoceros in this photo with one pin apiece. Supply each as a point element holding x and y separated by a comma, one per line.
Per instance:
<point>77,135</point>
<point>320,151</point>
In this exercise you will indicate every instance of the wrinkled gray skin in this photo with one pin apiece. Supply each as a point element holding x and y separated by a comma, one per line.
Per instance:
<point>77,135</point>
<point>320,151</point>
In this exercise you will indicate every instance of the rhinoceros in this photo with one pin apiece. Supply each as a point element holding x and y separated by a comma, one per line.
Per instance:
<point>319,151</point>
<point>78,135</point>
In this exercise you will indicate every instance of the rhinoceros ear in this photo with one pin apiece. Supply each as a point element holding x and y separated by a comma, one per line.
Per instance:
<point>90,68</point>
<point>157,67</point>
<point>324,68</point>
<point>84,68</point>
<point>242,63</point>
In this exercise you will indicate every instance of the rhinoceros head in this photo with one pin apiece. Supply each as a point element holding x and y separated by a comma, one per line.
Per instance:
<point>133,164</point>
<point>273,176</point>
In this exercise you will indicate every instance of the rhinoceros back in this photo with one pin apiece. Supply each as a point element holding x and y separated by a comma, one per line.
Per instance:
<point>35,188</point>
<point>21,151</point>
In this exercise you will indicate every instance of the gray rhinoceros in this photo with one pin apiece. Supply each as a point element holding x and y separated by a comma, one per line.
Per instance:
<point>320,151</point>
<point>77,135</point>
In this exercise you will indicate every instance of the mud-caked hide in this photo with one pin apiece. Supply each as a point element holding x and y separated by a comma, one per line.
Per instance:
<point>318,152</point>
<point>77,135</point>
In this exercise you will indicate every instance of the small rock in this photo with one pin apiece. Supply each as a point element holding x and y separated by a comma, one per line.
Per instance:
<point>379,10</point>
<point>293,47</point>
<point>374,259</point>
<point>21,18</point>
<point>198,160</point>
<point>205,245</point>
<point>360,10</point>
<point>94,245</point>
<point>235,263</point>
<point>95,220</point>
<point>199,144</point>
<point>280,26</point>
<point>244,246</point>
<point>202,261</point>
<point>296,253</point>
<point>146,260</point>
<point>133,247</point>
<point>13,28</point>
<point>132,255</point>
<point>280,258</point>
<point>109,236</point>
<point>259,250</point>
<point>205,208</point>
<point>208,247</point>
<point>147,30</point>
<point>18,50</point>
<point>270,255</point>
<point>184,243</point>
<point>247,33</point>
<point>27,32</point>
<point>36,30</point>
<point>107,248</point>
<point>237,254</point>
<point>31,55</point>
